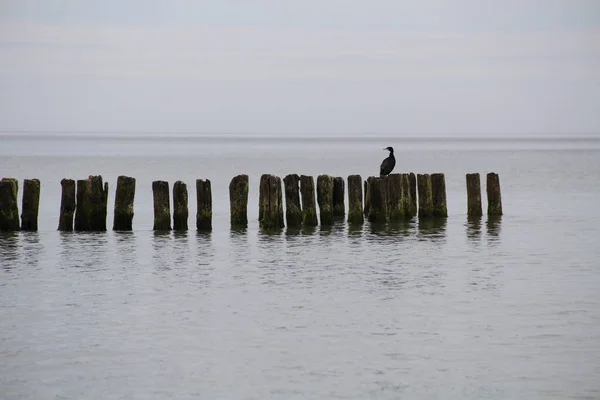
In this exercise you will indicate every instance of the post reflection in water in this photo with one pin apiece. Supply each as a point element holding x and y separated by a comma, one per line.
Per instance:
<point>473,228</point>
<point>160,245</point>
<point>86,250</point>
<point>493,225</point>
<point>9,246</point>
<point>432,228</point>
<point>126,247</point>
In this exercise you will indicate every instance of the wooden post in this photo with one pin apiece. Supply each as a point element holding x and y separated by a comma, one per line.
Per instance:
<point>325,198</point>
<point>162,206</point>
<point>271,204</point>
<point>293,212</point>
<point>124,197</point>
<point>425,195</point>
<point>395,197</point>
<point>9,208</point>
<point>377,199</point>
<point>204,205</point>
<point>82,209</point>
<point>367,198</point>
<point>412,181</point>
<point>339,206</point>
<point>438,185</point>
<point>67,205</point>
<point>238,201</point>
<point>180,206</point>
<point>493,194</point>
<point>355,200</point>
<point>309,209</point>
<point>98,198</point>
<point>30,205</point>
<point>474,195</point>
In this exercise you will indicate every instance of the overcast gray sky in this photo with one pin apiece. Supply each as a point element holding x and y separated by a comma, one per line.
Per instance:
<point>310,66</point>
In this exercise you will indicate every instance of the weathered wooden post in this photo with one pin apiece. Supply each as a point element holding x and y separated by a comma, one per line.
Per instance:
<point>9,208</point>
<point>395,197</point>
<point>425,195</point>
<point>367,198</point>
<point>238,201</point>
<point>98,198</point>
<point>325,198</point>
<point>339,206</point>
<point>180,206</point>
<point>124,197</point>
<point>309,208</point>
<point>355,200</point>
<point>162,206</point>
<point>67,205</point>
<point>271,202</point>
<point>493,194</point>
<point>407,196</point>
<point>83,207</point>
<point>412,180</point>
<point>30,205</point>
<point>293,212</point>
<point>438,185</point>
<point>377,199</point>
<point>204,205</point>
<point>473,195</point>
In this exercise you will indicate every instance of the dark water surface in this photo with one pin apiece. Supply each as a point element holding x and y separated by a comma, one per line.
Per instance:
<point>500,309</point>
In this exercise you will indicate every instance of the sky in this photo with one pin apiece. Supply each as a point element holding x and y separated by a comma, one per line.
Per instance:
<point>292,67</point>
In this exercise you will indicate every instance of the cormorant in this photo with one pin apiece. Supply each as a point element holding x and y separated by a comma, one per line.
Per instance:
<point>388,164</point>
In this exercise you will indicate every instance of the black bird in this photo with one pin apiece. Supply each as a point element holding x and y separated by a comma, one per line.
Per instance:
<point>388,164</point>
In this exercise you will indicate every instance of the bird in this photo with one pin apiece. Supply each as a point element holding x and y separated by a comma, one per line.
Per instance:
<point>388,164</point>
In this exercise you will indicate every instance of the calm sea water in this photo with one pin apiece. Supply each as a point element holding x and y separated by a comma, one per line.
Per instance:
<point>462,309</point>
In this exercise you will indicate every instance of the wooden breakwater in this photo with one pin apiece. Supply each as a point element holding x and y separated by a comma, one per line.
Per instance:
<point>395,197</point>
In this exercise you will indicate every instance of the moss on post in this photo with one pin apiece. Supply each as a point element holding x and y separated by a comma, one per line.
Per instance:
<point>98,203</point>
<point>238,201</point>
<point>30,205</point>
<point>493,195</point>
<point>180,207</point>
<point>293,211</point>
<point>355,200</point>
<point>325,199</point>
<point>395,197</point>
<point>425,195</point>
<point>339,206</point>
<point>438,185</point>
<point>271,199</point>
<point>83,207</point>
<point>377,199</point>
<point>67,205</point>
<point>204,205</point>
<point>124,197</point>
<point>412,182</point>
<point>162,206</point>
<point>9,208</point>
<point>473,195</point>
<point>309,209</point>
<point>367,198</point>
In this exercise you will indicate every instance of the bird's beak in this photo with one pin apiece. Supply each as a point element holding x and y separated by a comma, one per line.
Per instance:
<point>385,149</point>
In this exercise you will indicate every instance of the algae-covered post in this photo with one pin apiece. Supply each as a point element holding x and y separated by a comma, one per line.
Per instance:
<point>67,205</point>
<point>83,207</point>
<point>339,206</point>
<point>271,199</point>
<point>412,181</point>
<point>395,197</point>
<point>9,208</point>
<point>293,212</point>
<point>180,206</point>
<point>325,198</point>
<point>474,195</point>
<point>493,194</point>
<point>355,200</point>
<point>124,197</point>
<point>98,198</point>
<point>309,208</point>
<point>425,195</point>
<point>438,186</point>
<point>203,205</point>
<point>238,201</point>
<point>162,206</point>
<point>30,205</point>
<point>377,199</point>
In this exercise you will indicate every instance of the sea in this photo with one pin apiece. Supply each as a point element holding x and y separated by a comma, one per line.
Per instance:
<point>461,308</point>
